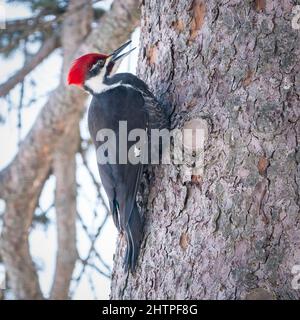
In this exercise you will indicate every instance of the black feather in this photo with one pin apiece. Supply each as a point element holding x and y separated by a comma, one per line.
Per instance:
<point>121,181</point>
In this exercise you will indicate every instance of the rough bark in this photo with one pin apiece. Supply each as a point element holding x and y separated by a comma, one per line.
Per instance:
<point>232,233</point>
<point>22,181</point>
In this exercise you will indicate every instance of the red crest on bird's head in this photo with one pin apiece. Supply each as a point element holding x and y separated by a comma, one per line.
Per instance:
<point>81,66</point>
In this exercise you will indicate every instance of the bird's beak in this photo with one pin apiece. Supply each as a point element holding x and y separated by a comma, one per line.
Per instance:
<point>115,55</point>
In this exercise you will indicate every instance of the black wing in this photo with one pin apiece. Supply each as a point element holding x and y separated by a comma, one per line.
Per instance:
<point>120,181</point>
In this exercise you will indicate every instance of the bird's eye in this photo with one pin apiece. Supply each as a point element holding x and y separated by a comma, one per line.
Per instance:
<point>101,63</point>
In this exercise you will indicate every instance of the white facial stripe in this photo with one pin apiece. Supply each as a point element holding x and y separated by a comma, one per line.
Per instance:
<point>94,66</point>
<point>96,83</point>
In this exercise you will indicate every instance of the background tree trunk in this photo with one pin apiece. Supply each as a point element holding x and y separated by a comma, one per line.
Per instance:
<point>64,163</point>
<point>232,233</point>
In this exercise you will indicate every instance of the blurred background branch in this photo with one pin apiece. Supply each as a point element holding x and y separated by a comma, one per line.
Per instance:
<point>47,47</point>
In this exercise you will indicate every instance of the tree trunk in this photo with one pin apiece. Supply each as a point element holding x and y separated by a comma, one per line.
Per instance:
<point>75,28</point>
<point>233,232</point>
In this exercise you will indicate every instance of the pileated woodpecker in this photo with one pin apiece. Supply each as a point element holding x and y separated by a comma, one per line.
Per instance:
<point>119,97</point>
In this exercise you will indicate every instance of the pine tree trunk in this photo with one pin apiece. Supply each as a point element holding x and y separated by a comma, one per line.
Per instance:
<point>233,232</point>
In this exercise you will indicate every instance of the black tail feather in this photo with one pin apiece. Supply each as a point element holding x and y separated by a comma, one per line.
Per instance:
<point>134,236</point>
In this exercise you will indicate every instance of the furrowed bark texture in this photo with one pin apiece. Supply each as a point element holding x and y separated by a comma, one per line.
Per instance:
<point>232,233</point>
<point>22,181</point>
